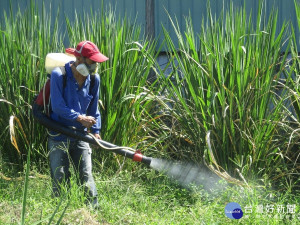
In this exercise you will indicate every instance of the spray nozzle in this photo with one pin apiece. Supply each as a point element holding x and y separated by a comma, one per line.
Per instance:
<point>137,156</point>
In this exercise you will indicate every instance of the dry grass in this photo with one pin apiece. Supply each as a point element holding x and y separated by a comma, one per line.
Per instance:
<point>10,213</point>
<point>81,216</point>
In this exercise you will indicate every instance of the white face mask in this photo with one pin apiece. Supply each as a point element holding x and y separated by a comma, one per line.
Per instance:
<point>82,69</point>
<point>85,69</point>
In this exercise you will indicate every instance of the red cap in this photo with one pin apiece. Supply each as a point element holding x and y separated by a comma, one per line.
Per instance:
<point>89,50</point>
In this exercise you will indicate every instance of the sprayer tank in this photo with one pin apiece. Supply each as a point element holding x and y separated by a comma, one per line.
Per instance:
<point>57,60</point>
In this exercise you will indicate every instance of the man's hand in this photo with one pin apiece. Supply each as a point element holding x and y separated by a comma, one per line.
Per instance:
<point>87,121</point>
<point>98,136</point>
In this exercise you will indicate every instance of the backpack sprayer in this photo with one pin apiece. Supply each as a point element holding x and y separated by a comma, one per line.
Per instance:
<point>40,110</point>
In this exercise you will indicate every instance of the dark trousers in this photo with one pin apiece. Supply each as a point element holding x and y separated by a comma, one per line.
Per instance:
<point>79,153</point>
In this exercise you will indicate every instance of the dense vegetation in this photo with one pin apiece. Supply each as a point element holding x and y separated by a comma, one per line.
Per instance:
<point>232,99</point>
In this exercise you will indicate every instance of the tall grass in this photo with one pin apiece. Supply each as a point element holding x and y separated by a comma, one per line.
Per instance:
<point>226,82</point>
<point>25,40</point>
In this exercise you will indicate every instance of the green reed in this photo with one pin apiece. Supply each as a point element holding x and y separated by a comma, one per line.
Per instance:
<point>25,40</point>
<point>227,76</point>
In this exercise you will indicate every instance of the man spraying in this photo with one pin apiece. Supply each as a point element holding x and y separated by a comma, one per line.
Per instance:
<point>74,103</point>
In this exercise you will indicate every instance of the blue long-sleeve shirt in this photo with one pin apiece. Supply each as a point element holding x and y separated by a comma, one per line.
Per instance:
<point>71,101</point>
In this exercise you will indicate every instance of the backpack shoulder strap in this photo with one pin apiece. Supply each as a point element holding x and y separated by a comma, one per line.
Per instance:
<point>63,71</point>
<point>46,91</point>
<point>92,84</point>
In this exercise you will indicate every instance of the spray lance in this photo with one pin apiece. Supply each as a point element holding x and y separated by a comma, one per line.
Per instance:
<point>54,126</point>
